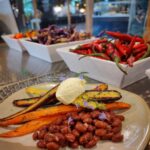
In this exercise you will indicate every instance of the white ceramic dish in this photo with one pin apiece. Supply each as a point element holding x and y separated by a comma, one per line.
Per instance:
<point>12,43</point>
<point>147,72</point>
<point>136,127</point>
<point>48,52</point>
<point>102,70</point>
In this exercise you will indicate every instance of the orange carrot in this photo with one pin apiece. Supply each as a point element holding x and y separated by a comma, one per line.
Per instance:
<point>29,127</point>
<point>117,106</point>
<point>55,110</point>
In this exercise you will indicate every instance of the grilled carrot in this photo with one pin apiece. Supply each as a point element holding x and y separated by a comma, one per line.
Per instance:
<point>117,106</point>
<point>29,127</point>
<point>51,111</point>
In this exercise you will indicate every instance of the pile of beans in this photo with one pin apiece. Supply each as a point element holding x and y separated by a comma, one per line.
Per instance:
<point>84,128</point>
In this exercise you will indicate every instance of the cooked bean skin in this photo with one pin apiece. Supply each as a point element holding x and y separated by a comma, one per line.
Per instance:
<point>41,144</point>
<point>80,127</point>
<point>85,138</point>
<point>85,128</point>
<point>117,137</point>
<point>70,137</point>
<point>52,146</point>
<point>90,144</point>
<point>75,144</point>
<point>100,132</point>
<point>35,136</point>
<point>100,124</point>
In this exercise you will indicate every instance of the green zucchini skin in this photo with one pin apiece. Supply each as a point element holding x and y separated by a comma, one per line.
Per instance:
<point>106,96</point>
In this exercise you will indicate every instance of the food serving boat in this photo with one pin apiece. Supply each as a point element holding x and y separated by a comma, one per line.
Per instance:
<point>48,52</point>
<point>103,70</point>
<point>13,43</point>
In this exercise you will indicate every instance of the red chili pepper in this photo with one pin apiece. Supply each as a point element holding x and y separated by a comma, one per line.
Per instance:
<point>124,37</point>
<point>99,55</point>
<point>103,40</point>
<point>121,47</point>
<point>84,46</point>
<point>139,55</point>
<point>140,49</point>
<point>109,49</point>
<point>119,35</point>
<point>114,54</point>
<point>131,60</point>
<point>131,45</point>
<point>136,46</point>
<point>89,51</point>
<point>98,47</point>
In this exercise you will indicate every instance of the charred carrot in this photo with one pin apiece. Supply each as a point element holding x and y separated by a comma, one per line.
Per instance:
<point>29,127</point>
<point>117,106</point>
<point>51,111</point>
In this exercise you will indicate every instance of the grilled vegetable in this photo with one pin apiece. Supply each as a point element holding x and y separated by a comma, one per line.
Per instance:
<point>117,106</point>
<point>100,96</point>
<point>29,127</point>
<point>102,87</point>
<point>51,111</point>
<point>29,101</point>
<point>38,92</point>
<point>46,97</point>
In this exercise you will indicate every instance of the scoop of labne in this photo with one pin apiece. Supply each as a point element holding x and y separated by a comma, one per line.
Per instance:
<point>70,89</point>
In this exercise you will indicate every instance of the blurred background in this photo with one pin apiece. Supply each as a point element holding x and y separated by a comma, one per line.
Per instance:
<point>126,16</point>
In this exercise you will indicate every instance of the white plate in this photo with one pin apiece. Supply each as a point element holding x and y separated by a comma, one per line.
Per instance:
<point>136,127</point>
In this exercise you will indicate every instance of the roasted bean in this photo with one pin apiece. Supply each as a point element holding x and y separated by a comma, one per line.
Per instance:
<point>35,135</point>
<point>87,120</point>
<point>116,122</point>
<point>52,146</point>
<point>85,128</point>
<point>75,133</point>
<point>96,138</point>
<point>49,137</point>
<point>117,137</point>
<point>100,132</point>
<point>75,144</point>
<point>59,121</point>
<point>41,134</point>
<point>85,138</point>
<point>109,135</point>
<point>65,129</point>
<point>45,128</point>
<point>101,124</point>
<point>60,138</point>
<point>91,128</point>
<point>95,114</point>
<point>120,117</point>
<point>70,137</point>
<point>65,122</point>
<point>85,116</point>
<point>41,144</point>
<point>90,144</point>
<point>75,117</point>
<point>81,127</point>
<point>53,128</point>
<point>116,129</point>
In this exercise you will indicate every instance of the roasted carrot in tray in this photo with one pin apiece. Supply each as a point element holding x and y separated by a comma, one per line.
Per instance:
<point>29,127</point>
<point>43,99</point>
<point>117,106</point>
<point>51,111</point>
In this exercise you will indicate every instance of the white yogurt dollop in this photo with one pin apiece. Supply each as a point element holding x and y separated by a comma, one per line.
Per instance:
<point>70,89</point>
